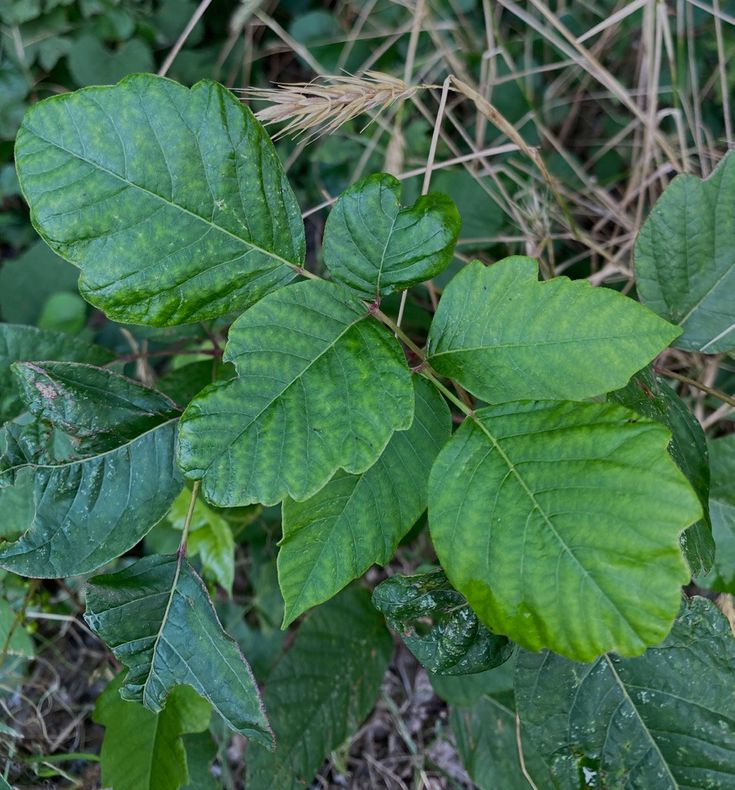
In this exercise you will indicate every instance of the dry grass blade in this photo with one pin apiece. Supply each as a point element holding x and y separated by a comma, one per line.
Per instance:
<point>323,105</point>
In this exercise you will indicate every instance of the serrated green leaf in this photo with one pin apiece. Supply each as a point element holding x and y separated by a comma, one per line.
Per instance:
<point>560,522</point>
<point>320,388</point>
<point>90,402</point>
<point>28,281</point>
<point>454,642</point>
<point>20,343</point>
<point>90,511</point>
<point>685,258</point>
<point>210,537</point>
<point>646,394</point>
<point>171,201</point>
<point>376,247</point>
<point>358,520</point>
<point>143,750</point>
<point>321,690</point>
<point>504,336</point>
<point>665,720</point>
<point>159,621</point>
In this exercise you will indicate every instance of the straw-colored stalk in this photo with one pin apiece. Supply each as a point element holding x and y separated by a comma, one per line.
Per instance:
<point>322,106</point>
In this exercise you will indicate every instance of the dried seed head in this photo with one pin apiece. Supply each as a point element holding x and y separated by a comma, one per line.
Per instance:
<point>322,106</point>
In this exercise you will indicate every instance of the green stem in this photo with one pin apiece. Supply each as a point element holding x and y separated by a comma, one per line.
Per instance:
<point>189,517</point>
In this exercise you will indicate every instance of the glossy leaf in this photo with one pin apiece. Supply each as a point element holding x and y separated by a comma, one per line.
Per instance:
<point>321,690</point>
<point>320,388</point>
<point>646,394</point>
<point>560,523</point>
<point>86,401</point>
<point>504,336</point>
<point>685,258</point>
<point>157,617</point>
<point>26,343</point>
<point>455,642</point>
<point>143,750</point>
<point>660,721</point>
<point>171,201</point>
<point>358,520</point>
<point>90,511</point>
<point>376,247</point>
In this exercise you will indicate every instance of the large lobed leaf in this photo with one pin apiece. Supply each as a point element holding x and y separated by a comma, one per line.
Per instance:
<point>171,201</point>
<point>560,524</point>
<point>685,258</point>
<point>320,388</point>
<point>358,520</point>
<point>376,247</point>
<point>505,336</point>
<point>321,690</point>
<point>158,619</point>
<point>665,720</point>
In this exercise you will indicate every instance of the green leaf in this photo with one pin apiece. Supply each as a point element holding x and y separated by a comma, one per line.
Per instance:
<point>504,336</point>
<point>90,511</point>
<point>28,281</point>
<point>376,247</point>
<point>92,63</point>
<point>143,750</point>
<point>14,640</point>
<point>158,619</point>
<point>664,720</point>
<point>201,750</point>
<point>454,642</point>
<point>64,312</point>
<point>171,201</point>
<point>685,259</point>
<point>321,690</point>
<point>560,522</point>
<point>722,511</point>
<point>465,690</point>
<point>319,389</point>
<point>210,537</point>
<point>90,402</point>
<point>358,520</point>
<point>646,394</point>
<point>26,343</point>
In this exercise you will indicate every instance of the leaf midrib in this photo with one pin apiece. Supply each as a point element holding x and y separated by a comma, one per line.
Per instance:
<point>249,244</point>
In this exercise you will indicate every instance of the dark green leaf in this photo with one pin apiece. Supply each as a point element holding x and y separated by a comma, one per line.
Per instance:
<point>158,619</point>
<point>90,402</point>
<point>320,388</point>
<point>648,395</point>
<point>143,750</point>
<point>92,63</point>
<point>26,343</point>
<point>376,247</point>
<point>358,520</point>
<point>321,690</point>
<point>504,336</point>
<point>685,261</point>
<point>89,511</point>
<point>722,511</point>
<point>171,201</point>
<point>560,522</point>
<point>455,642</point>
<point>665,720</point>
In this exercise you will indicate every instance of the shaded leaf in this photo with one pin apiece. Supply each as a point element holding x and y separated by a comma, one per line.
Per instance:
<point>89,511</point>
<point>158,619</point>
<point>171,201</point>
<point>663,720</point>
<point>646,394</point>
<point>455,642</point>
<point>722,511</point>
<point>504,336</point>
<point>14,640</point>
<point>321,690</point>
<point>26,343</point>
<point>358,520</point>
<point>143,750</point>
<point>319,389</point>
<point>685,261</point>
<point>92,63</point>
<point>376,247</point>
<point>560,522</point>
